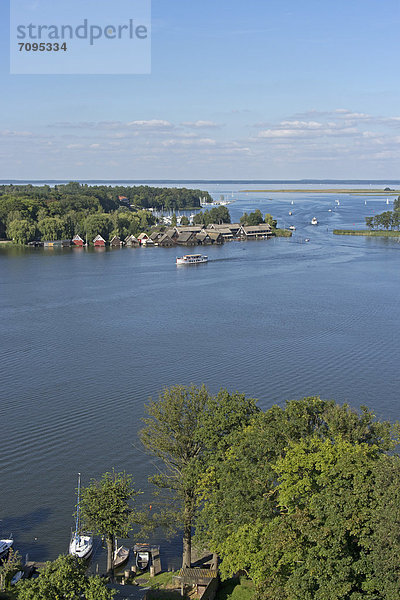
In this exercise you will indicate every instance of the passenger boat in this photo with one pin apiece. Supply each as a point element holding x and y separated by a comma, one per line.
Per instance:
<point>81,544</point>
<point>5,545</point>
<point>191,259</point>
<point>314,221</point>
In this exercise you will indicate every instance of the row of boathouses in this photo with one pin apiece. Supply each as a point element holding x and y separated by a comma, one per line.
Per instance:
<point>187,236</point>
<point>191,235</point>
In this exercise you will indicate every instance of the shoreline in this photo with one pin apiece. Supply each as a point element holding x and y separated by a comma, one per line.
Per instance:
<point>325,191</point>
<point>366,232</point>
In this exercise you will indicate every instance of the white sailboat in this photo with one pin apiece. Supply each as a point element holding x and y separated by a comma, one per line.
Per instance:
<point>81,544</point>
<point>5,545</point>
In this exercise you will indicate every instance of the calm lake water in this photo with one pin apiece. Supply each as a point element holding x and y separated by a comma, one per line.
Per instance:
<point>89,336</point>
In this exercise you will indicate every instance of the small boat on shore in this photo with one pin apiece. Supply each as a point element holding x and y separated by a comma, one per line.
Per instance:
<point>5,545</point>
<point>121,555</point>
<point>314,221</point>
<point>191,259</point>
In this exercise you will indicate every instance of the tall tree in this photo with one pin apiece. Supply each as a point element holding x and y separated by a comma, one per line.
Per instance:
<point>240,490</point>
<point>183,426</point>
<point>106,509</point>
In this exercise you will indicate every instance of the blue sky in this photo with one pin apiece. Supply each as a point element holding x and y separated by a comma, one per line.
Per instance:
<point>261,89</point>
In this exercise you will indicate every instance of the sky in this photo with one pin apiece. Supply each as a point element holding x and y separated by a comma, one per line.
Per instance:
<point>238,89</point>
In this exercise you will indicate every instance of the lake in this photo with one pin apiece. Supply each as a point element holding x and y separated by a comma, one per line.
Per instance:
<point>88,336</point>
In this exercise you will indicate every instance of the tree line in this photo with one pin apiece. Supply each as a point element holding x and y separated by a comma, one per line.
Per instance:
<point>389,219</point>
<point>30,212</point>
<point>302,498</point>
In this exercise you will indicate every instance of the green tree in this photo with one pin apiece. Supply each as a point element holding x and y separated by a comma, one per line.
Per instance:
<point>170,435</point>
<point>106,509</point>
<point>384,550</point>
<point>369,221</point>
<point>98,224</point>
<point>270,220</point>
<point>51,228</point>
<point>8,567</point>
<point>64,578</point>
<point>239,491</point>
<point>184,220</point>
<point>174,220</point>
<point>255,218</point>
<point>21,231</point>
<point>183,429</point>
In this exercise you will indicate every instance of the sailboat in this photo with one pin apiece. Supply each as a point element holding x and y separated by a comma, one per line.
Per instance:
<point>81,545</point>
<point>5,546</point>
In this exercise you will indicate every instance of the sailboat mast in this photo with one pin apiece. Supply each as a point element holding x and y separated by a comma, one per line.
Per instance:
<point>77,506</point>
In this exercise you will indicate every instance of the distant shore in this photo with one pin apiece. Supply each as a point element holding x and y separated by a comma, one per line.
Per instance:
<point>325,191</point>
<point>366,232</point>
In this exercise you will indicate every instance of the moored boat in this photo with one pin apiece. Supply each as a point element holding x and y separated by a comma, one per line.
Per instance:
<point>142,560</point>
<point>121,555</point>
<point>81,544</point>
<point>191,259</point>
<point>292,228</point>
<point>314,221</point>
<point>5,545</point>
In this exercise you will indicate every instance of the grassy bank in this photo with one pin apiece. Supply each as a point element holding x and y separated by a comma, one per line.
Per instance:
<point>366,232</point>
<point>282,233</point>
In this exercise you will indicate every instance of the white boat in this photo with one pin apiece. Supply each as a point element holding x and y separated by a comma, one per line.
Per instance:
<point>5,545</point>
<point>142,560</point>
<point>81,544</point>
<point>191,259</point>
<point>121,555</point>
<point>292,227</point>
<point>314,221</point>
<point>290,213</point>
<point>387,201</point>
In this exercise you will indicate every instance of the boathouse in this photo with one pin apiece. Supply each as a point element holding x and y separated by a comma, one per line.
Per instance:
<point>99,242</point>
<point>215,236</point>
<point>165,241</point>
<point>187,239</point>
<point>203,239</point>
<point>77,241</point>
<point>143,237</point>
<point>172,233</point>
<point>255,231</point>
<point>130,240</point>
<point>116,242</point>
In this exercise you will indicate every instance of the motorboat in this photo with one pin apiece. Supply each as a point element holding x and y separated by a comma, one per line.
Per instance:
<point>121,555</point>
<point>191,259</point>
<point>292,227</point>
<point>5,545</point>
<point>142,560</point>
<point>81,544</point>
<point>290,213</point>
<point>314,221</point>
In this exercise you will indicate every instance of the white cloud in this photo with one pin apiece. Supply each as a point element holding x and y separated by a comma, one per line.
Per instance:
<point>201,124</point>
